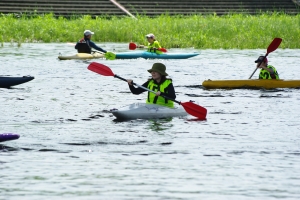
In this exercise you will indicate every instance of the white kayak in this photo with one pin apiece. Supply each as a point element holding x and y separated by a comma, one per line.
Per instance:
<point>82,56</point>
<point>147,111</point>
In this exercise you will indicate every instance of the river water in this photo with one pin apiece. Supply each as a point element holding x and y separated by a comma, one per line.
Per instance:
<point>71,147</point>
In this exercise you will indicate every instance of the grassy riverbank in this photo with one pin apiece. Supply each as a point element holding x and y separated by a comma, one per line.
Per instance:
<point>231,31</point>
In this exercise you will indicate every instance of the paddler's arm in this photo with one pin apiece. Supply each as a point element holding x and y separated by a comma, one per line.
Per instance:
<point>156,44</point>
<point>76,46</point>
<point>135,90</point>
<point>93,45</point>
<point>269,70</point>
<point>171,92</point>
<point>266,68</point>
<point>154,48</point>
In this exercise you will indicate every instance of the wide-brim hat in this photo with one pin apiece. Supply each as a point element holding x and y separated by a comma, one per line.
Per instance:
<point>158,67</point>
<point>260,59</point>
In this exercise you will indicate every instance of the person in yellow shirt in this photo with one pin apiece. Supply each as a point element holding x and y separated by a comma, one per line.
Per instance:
<point>153,44</point>
<point>267,71</point>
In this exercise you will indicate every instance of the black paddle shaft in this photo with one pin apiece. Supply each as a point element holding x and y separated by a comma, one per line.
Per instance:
<point>147,89</point>
<point>258,65</point>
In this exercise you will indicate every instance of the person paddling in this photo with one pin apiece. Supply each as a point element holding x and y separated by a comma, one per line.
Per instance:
<point>267,71</point>
<point>158,83</point>
<point>85,44</point>
<point>153,44</point>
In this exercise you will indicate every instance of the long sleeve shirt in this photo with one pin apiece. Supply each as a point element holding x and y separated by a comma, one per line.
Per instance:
<point>85,45</point>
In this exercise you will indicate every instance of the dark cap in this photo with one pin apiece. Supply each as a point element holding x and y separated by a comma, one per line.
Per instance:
<point>260,59</point>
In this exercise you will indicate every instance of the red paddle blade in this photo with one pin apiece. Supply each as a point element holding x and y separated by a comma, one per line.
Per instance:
<point>100,69</point>
<point>195,110</point>
<point>163,49</point>
<point>274,45</point>
<point>132,46</point>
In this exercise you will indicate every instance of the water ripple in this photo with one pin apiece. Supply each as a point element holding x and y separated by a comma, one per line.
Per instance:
<point>71,146</point>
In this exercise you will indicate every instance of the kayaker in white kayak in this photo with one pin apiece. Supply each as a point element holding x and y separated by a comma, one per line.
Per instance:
<point>85,44</point>
<point>153,44</point>
<point>158,83</point>
<point>267,71</point>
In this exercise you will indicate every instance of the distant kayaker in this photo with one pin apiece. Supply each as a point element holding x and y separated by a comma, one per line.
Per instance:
<point>153,44</point>
<point>158,83</point>
<point>85,45</point>
<point>267,71</point>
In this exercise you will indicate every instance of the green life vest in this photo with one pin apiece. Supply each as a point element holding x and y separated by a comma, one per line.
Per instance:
<point>163,87</point>
<point>156,45</point>
<point>265,74</point>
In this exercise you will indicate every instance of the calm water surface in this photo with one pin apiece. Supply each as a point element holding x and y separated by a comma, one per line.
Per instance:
<point>71,147</point>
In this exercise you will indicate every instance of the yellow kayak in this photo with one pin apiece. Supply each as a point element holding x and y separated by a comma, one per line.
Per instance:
<point>251,83</point>
<point>82,56</point>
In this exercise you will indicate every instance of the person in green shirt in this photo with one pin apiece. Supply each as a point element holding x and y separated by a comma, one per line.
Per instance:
<point>153,44</point>
<point>267,71</point>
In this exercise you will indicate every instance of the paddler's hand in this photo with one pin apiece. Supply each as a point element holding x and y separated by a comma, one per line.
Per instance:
<point>153,49</point>
<point>158,93</point>
<point>129,81</point>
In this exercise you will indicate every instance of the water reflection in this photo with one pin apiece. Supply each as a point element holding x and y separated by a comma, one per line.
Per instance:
<point>158,125</point>
<point>72,145</point>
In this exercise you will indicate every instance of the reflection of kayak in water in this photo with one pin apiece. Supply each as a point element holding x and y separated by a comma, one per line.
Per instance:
<point>147,55</point>
<point>251,83</point>
<point>8,136</point>
<point>147,111</point>
<point>7,81</point>
<point>82,56</point>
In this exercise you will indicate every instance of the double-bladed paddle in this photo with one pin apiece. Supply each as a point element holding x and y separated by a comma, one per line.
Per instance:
<point>133,46</point>
<point>272,47</point>
<point>191,108</point>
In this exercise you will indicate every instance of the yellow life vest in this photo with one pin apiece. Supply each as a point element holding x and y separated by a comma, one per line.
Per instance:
<point>156,45</point>
<point>265,74</point>
<point>153,99</point>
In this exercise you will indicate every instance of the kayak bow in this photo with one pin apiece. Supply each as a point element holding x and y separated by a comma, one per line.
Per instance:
<point>8,136</point>
<point>7,81</point>
<point>82,56</point>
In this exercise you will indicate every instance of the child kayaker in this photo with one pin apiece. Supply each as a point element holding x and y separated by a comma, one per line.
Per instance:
<point>85,45</point>
<point>267,71</point>
<point>153,44</point>
<point>158,83</point>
